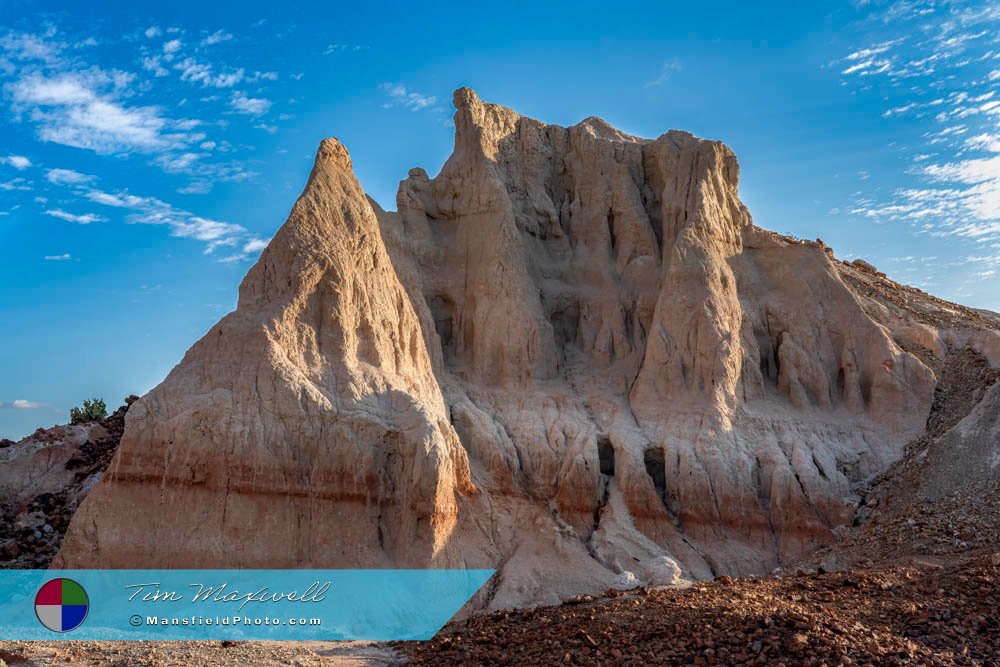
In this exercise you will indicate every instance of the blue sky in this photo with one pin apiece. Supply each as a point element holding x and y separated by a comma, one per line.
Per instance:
<point>146,156</point>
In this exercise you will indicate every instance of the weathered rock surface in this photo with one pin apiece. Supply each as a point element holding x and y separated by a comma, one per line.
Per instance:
<point>941,500</point>
<point>570,355</point>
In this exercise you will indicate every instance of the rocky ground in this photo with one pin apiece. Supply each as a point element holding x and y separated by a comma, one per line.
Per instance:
<point>917,304</point>
<point>917,614</point>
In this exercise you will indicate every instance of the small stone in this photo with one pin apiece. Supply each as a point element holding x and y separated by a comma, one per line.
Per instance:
<point>797,643</point>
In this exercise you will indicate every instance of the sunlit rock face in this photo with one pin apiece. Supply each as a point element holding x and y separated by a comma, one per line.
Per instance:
<point>570,356</point>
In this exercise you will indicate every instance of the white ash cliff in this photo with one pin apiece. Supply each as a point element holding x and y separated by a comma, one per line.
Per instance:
<point>570,356</point>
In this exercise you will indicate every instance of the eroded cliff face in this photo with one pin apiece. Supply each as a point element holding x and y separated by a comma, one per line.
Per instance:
<point>571,356</point>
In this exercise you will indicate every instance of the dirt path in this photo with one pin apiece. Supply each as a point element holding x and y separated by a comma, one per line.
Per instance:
<point>197,654</point>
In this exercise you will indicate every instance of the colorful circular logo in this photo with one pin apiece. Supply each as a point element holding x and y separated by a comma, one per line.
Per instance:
<point>61,605</point>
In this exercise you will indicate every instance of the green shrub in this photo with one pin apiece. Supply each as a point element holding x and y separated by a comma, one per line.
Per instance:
<point>91,411</point>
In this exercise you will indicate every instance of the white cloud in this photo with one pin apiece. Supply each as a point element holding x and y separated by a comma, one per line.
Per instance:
<point>197,72</point>
<point>253,106</point>
<point>21,404</point>
<point>399,95</point>
<point>865,54</point>
<point>58,258</point>
<point>895,111</point>
<point>69,109</point>
<point>49,87</point>
<point>182,224</point>
<point>986,141</point>
<point>67,177</point>
<point>939,75</point>
<point>255,245</point>
<point>206,173</point>
<point>15,184</point>
<point>84,219</point>
<point>19,162</point>
<point>250,248</point>
<point>154,64</point>
<point>967,171</point>
<point>23,46</point>
<point>178,163</point>
<point>667,70</point>
<point>220,243</point>
<point>203,229</point>
<point>126,200</point>
<point>216,37</point>
<point>263,76</point>
<point>196,187</point>
<point>869,67</point>
<point>343,48</point>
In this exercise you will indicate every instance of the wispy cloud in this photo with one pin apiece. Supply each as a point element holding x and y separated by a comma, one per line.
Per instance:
<point>667,70</point>
<point>21,404</point>
<point>80,110</point>
<point>135,108</point>
<point>401,96</point>
<point>109,111</point>
<point>332,49</point>
<point>15,184</point>
<point>19,162</point>
<point>67,177</point>
<point>249,249</point>
<point>182,224</point>
<point>255,245</point>
<point>25,46</point>
<point>937,72</point>
<point>81,219</point>
<point>172,47</point>
<point>253,106</point>
<point>205,174</point>
<point>262,76</point>
<point>875,59</point>
<point>199,72</point>
<point>58,258</point>
<point>217,37</point>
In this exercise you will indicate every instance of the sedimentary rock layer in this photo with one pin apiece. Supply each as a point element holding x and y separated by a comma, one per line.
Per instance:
<point>571,355</point>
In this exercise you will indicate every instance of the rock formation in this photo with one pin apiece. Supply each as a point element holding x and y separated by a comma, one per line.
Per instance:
<point>43,479</point>
<point>571,356</point>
